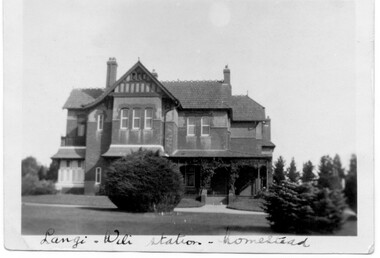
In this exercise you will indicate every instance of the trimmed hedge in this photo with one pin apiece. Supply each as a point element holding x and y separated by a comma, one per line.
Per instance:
<point>301,209</point>
<point>144,182</point>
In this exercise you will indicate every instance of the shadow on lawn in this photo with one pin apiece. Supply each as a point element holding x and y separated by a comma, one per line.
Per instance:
<point>102,209</point>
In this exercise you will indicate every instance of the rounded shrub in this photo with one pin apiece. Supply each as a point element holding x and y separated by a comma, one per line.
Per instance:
<point>303,209</point>
<point>144,182</point>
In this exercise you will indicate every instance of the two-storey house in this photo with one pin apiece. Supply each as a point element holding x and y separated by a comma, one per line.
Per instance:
<point>183,120</point>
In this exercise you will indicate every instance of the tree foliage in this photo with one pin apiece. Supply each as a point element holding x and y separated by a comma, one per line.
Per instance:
<point>301,209</point>
<point>338,168</point>
<point>327,174</point>
<point>29,166</point>
<point>52,173</point>
<point>279,170</point>
<point>144,182</point>
<point>292,173</point>
<point>307,172</point>
<point>33,181</point>
<point>350,189</point>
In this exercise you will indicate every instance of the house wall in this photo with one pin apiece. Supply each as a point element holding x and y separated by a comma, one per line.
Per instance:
<point>171,131</point>
<point>142,135</point>
<point>98,143</point>
<point>218,137</point>
<point>243,130</point>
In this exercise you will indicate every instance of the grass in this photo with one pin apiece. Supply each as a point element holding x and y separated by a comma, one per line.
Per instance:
<point>70,199</point>
<point>189,203</point>
<point>246,204</point>
<point>36,220</point>
<point>99,215</point>
<point>91,201</point>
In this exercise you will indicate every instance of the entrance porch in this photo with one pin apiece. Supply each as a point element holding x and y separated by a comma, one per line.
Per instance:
<point>217,179</point>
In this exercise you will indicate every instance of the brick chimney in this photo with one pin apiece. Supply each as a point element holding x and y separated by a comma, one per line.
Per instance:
<point>226,86</point>
<point>227,75</point>
<point>111,71</point>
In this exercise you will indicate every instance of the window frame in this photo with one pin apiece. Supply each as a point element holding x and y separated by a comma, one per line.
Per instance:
<point>190,172</point>
<point>134,117</point>
<point>123,118</point>
<point>100,122</point>
<point>205,125</point>
<point>98,175</point>
<point>190,125</point>
<point>81,130</point>
<point>146,118</point>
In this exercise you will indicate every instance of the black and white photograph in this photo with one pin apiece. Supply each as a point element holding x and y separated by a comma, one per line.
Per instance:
<point>189,126</point>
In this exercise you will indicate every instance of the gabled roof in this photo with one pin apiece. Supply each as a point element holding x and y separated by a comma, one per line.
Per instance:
<point>197,94</point>
<point>188,94</point>
<point>246,109</point>
<point>111,88</point>
<point>80,97</point>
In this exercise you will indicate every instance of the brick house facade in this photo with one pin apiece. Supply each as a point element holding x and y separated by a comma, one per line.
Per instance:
<point>183,120</point>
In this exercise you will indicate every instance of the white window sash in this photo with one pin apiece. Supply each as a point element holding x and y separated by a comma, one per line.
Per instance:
<point>188,128</point>
<point>98,175</point>
<point>205,125</point>
<point>134,119</point>
<point>100,122</point>
<point>148,118</point>
<point>122,118</point>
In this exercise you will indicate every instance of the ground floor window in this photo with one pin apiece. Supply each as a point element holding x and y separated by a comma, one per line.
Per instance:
<point>71,172</point>
<point>98,175</point>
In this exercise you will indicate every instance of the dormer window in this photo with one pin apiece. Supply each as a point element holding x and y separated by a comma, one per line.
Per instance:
<point>148,118</point>
<point>136,118</point>
<point>124,118</point>
<point>205,126</point>
<point>190,126</point>
<point>100,121</point>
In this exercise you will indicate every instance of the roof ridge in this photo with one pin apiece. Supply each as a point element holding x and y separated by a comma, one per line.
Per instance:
<point>173,81</point>
<point>89,89</point>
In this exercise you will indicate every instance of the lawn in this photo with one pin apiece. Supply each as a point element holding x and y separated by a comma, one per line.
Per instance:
<point>98,215</point>
<point>91,201</point>
<point>95,221</point>
<point>246,204</point>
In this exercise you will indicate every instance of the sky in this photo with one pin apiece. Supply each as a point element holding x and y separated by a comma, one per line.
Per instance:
<point>296,58</point>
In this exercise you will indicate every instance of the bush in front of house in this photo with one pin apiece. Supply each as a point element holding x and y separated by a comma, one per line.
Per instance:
<point>32,186</point>
<point>144,182</point>
<point>32,181</point>
<point>304,208</point>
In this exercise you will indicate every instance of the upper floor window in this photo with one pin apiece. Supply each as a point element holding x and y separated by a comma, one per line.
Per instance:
<point>205,126</point>
<point>136,118</point>
<point>81,129</point>
<point>190,126</point>
<point>124,117</point>
<point>100,122</point>
<point>98,175</point>
<point>148,118</point>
